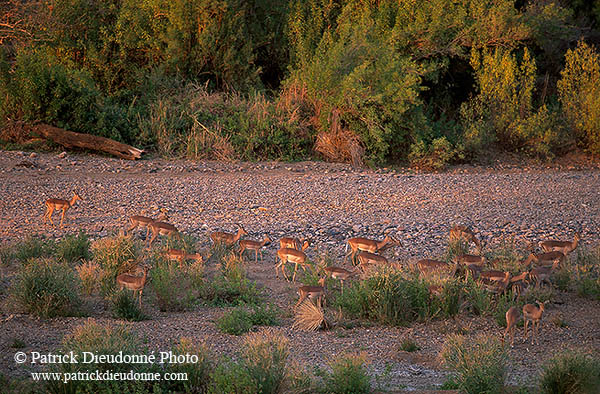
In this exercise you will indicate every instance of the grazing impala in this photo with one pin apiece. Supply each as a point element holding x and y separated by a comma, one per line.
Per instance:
<point>311,292</point>
<point>565,247</point>
<point>459,232</point>
<point>470,259</point>
<point>545,259</point>
<point>368,245</point>
<point>519,283</point>
<point>498,286</point>
<point>162,228</point>
<point>429,266</point>
<point>254,245</point>
<point>512,318</point>
<point>56,204</point>
<point>293,256</point>
<point>366,259</point>
<point>227,238</point>
<point>294,243</point>
<point>135,283</point>
<point>492,276</point>
<point>143,221</point>
<point>181,256</point>
<point>340,274</point>
<point>542,274</point>
<point>533,314</point>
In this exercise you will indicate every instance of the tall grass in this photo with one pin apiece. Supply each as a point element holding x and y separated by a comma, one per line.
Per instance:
<point>47,288</point>
<point>240,320</point>
<point>230,286</point>
<point>571,373</point>
<point>114,255</point>
<point>73,248</point>
<point>480,363</point>
<point>348,375</point>
<point>175,284</point>
<point>32,248</point>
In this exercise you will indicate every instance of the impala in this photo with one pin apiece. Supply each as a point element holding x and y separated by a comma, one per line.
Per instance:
<point>254,245</point>
<point>367,258</point>
<point>518,283</point>
<point>459,232</point>
<point>227,238</point>
<point>135,283</point>
<point>56,204</point>
<point>293,256</point>
<point>533,314</point>
<point>512,317</point>
<point>470,259</point>
<point>368,245</point>
<point>545,259</point>
<point>143,221</point>
<point>311,292</point>
<point>498,286</point>
<point>542,274</point>
<point>492,276</point>
<point>340,274</point>
<point>294,243</point>
<point>565,247</point>
<point>162,228</point>
<point>429,266</point>
<point>181,256</point>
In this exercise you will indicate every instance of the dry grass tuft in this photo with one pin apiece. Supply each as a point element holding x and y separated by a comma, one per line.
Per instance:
<point>339,144</point>
<point>309,317</point>
<point>89,272</point>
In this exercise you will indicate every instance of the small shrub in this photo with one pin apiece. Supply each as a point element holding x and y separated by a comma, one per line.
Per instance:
<point>33,248</point>
<point>572,373</point>
<point>265,355</point>
<point>115,256</point>
<point>172,286</point>
<point>480,363</point>
<point>586,273</point>
<point>47,288</point>
<point>348,375</point>
<point>18,343</point>
<point>309,317</point>
<point>230,286</point>
<point>89,274</point>
<point>409,345</point>
<point>434,156</point>
<point>125,306</point>
<point>73,248</point>
<point>239,320</point>
<point>198,374</point>
<point>232,377</point>
<point>456,248</point>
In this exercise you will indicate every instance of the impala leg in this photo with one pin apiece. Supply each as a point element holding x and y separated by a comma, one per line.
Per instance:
<point>62,217</point>
<point>525,335</point>
<point>302,298</point>
<point>50,212</point>
<point>342,286</point>
<point>295,271</point>
<point>256,256</point>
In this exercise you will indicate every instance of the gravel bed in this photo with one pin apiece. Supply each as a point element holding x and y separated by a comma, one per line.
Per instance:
<point>328,203</point>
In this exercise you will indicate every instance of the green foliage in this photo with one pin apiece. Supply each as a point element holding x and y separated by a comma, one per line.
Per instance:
<point>32,248</point>
<point>480,363</point>
<point>239,321</point>
<point>571,372</point>
<point>115,256</point>
<point>174,284</point>
<point>435,156</point>
<point>409,345</point>
<point>579,94</point>
<point>72,249</point>
<point>47,288</point>
<point>348,375</point>
<point>125,306</point>
<point>230,286</point>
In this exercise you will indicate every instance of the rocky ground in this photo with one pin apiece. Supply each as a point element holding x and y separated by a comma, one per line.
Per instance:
<point>328,203</point>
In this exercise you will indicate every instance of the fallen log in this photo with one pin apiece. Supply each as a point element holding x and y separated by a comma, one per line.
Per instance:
<point>70,139</point>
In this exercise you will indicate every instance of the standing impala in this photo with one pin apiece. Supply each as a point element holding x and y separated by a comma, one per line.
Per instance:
<point>545,259</point>
<point>286,255</point>
<point>135,283</point>
<point>340,274</point>
<point>512,318</point>
<point>254,245</point>
<point>533,314</point>
<point>368,245</point>
<point>143,221</point>
<point>565,247</point>
<point>429,266</point>
<point>311,292</point>
<point>294,243</point>
<point>366,259</point>
<point>228,239</point>
<point>56,204</point>
<point>162,228</point>
<point>459,232</point>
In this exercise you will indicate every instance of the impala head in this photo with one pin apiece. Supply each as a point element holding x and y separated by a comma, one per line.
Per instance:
<point>322,282</point>
<point>267,240</point>
<point>241,230</point>
<point>162,216</point>
<point>541,305</point>
<point>532,246</point>
<point>577,237</point>
<point>76,197</point>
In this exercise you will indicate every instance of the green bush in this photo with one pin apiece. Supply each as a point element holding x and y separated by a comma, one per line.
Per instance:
<point>348,375</point>
<point>125,306</point>
<point>47,288</point>
<point>239,321</point>
<point>230,286</point>
<point>73,248</point>
<point>114,255</point>
<point>409,345</point>
<point>586,273</point>
<point>572,373</point>
<point>480,363</point>
<point>32,248</point>
<point>173,286</point>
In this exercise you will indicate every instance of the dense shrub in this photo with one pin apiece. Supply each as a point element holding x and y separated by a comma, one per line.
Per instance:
<point>198,374</point>
<point>231,285</point>
<point>174,284</point>
<point>239,321</point>
<point>125,305</point>
<point>32,248</point>
<point>348,375</point>
<point>89,274</point>
<point>47,288</point>
<point>114,255</point>
<point>571,372</point>
<point>579,93</point>
<point>480,363</point>
<point>73,248</point>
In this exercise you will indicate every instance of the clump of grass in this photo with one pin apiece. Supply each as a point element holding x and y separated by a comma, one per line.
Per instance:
<point>262,367</point>
<point>480,363</point>
<point>456,248</point>
<point>47,288</point>
<point>240,320</point>
<point>73,248</point>
<point>198,373</point>
<point>586,273</point>
<point>309,317</point>
<point>33,248</point>
<point>571,373</point>
<point>125,306</point>
<point>409,345</point>
<point>89,273</point>
<point>17,343</point>
<point>114,255</point>
<point>348,375</point>
<point>230,286</point>
<point>173,286</point>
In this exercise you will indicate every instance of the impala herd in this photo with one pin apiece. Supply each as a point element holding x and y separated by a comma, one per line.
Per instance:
<point>537,268</point>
